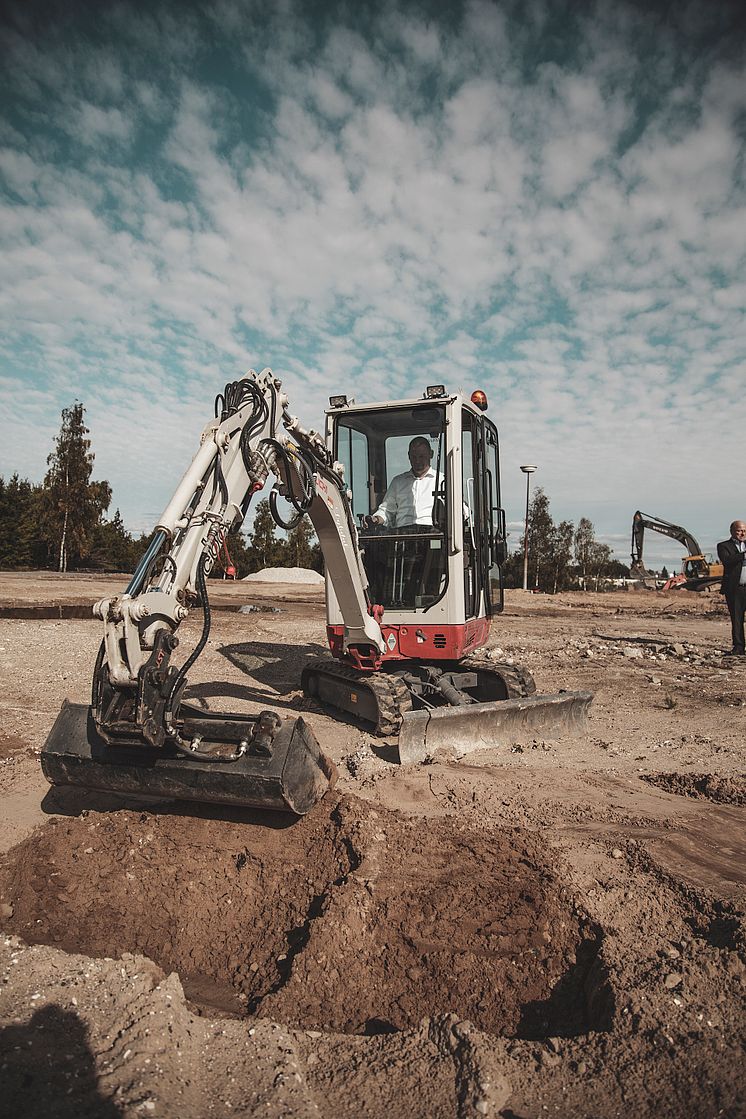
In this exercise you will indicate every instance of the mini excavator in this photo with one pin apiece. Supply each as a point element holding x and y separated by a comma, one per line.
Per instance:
<point>408,607</point>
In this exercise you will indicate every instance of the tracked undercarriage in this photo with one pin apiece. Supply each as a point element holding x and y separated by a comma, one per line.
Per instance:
<point>477,702</point>
<point>384,699</point>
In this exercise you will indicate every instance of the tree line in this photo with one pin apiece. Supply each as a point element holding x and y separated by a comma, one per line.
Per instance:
<point>560,556</point>
<point>62,523</point>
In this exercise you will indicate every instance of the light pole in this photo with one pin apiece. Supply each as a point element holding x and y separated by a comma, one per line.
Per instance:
<point>528,471</point>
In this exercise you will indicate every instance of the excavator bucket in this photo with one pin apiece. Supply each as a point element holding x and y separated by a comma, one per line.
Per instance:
<point>481,726</point>
<point>291,778</point>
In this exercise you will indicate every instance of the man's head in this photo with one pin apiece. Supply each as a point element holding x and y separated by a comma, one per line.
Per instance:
<point>420,452</point>
<point>738,530</point>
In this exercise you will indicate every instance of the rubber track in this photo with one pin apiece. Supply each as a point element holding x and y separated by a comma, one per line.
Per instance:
<point>390,694</point>
<point>517,679</point>
<point>393,698</point>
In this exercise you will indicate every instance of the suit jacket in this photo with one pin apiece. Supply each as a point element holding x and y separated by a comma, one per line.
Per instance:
<point>731,558</point>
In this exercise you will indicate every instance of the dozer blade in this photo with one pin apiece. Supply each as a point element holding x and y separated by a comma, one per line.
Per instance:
<point>482,726</point>
<point>293,779</point>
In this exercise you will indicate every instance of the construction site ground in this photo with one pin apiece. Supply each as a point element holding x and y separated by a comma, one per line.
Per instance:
<point>551,928</point>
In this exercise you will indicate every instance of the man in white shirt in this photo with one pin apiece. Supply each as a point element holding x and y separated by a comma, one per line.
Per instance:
<point>409,498</point>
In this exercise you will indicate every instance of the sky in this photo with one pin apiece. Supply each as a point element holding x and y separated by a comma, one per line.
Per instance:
<point>542,200</point>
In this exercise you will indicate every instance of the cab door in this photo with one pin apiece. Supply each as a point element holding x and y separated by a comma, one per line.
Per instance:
<point>494,538</point>
<point>472,513</point>
<point>484,517</point>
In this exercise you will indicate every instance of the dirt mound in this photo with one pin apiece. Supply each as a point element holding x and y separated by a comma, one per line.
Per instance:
<point>285,575</point>
<point>352,920</point>
<point>708,786</point>
<point>442,919</point>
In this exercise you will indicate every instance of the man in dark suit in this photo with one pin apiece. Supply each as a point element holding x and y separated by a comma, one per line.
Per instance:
<point>732,555</point>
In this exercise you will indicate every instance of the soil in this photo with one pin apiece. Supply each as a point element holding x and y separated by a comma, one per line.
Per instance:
<point>552,927</point>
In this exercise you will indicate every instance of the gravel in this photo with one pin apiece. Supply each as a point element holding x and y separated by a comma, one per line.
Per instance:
<point>285,575</point>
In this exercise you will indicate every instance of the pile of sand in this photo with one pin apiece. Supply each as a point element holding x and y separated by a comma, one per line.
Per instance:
<point>285,575</point>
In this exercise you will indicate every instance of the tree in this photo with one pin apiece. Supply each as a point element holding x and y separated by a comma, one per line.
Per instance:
<point>71,505</point>
<point>561,545</point>
<point>593,560</point>
<point>113,548</point>
<point>264,549</point>
<point>512,570</point>
<point>299,548</point>
<point>585,538</point>
<point>19,544</point>
<point>541,534</point>
<point>599,561</point>
<point>664,572</point>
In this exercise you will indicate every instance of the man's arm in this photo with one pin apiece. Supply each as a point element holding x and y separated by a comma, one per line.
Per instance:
<point>384,511</point>
<point>385,514</point>
<point>731,559</point>
<point>729,555</point>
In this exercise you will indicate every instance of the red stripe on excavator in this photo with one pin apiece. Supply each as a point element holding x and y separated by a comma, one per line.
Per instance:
<point>425,643</point>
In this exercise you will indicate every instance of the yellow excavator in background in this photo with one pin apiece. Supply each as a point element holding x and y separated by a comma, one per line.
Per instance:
<point>408,606</point>
<point>697,571</point>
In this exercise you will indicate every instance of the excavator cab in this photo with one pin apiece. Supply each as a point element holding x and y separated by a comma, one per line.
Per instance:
<point>434,563</point>
<point>432,551</point>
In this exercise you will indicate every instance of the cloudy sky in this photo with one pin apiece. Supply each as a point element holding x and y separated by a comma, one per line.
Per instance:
<point>542,200</point>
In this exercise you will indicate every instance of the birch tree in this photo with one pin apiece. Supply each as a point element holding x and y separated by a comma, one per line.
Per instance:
<point>71,504</point>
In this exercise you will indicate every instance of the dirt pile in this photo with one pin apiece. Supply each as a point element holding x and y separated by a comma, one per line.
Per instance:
<point>352,920</point>
<point>473,979</point>
<point>706,786</point>
<point>285,575</point>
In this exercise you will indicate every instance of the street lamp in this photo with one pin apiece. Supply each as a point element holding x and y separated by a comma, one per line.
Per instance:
<point>528,471</point>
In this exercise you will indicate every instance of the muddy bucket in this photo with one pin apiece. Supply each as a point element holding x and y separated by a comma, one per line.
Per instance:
<point>483,726</point>
<point>292,779</point>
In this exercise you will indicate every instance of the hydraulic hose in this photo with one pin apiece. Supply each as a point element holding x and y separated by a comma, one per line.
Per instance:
<point>305,472</point>
<point>202,587</point>
<point>179,744</point>
<point>96,683</point>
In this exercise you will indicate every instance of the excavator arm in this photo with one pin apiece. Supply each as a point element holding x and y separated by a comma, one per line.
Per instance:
<point>641,521</point>
<point>696,574</point>
<point>137,723</point>
<point>252,436</point>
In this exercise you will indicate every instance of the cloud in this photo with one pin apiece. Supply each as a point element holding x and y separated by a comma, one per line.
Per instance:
<point>92,124</point>
<point>371,205</point>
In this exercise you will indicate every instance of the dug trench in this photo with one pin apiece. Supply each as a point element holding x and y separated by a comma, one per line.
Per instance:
<point>353,919</point>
